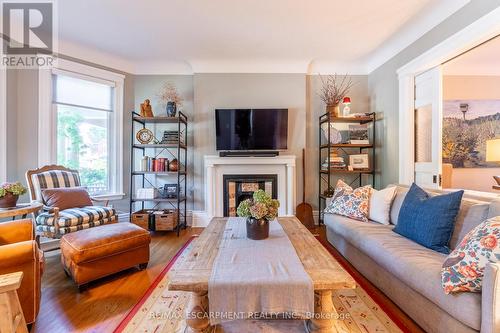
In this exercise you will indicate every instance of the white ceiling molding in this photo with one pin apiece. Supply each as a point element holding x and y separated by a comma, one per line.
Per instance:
<point>179,37</point>
<point>165,67</point>
<point>95,56</point>
<point>249,66</point>
<point>419,26</point>
<point>324,67</point>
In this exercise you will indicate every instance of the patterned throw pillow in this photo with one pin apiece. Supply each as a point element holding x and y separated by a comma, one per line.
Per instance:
<point>463,269</point>
<point>349,202</point>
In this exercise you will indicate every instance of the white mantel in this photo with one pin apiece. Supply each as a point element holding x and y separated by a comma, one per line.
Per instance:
<point>216,167</point>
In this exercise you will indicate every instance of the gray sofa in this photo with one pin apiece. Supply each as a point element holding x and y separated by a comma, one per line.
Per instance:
<point>410,274</point>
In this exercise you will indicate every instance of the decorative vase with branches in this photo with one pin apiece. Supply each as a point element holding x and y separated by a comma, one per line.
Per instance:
<point>333,89</point>
<point>170,98</point>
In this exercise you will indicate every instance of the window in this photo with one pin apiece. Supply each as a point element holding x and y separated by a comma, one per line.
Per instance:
<point>84,118</point>
<point>84,112</point>
<point>3,125</point>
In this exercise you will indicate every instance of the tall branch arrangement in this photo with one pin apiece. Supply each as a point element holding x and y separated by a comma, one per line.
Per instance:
<point>169,93</point>
<point>334,88</point>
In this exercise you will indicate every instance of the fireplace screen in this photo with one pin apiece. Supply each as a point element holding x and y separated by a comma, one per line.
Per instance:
<point>240,187</point>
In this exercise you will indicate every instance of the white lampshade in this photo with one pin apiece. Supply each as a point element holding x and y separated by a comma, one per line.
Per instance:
<point>493,150</point>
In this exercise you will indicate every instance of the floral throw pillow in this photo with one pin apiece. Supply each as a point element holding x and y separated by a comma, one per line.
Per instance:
<point>463,269</point>
<point>350,202</point>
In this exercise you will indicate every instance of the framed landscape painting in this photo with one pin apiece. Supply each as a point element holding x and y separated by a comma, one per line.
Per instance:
<point>467,124</point>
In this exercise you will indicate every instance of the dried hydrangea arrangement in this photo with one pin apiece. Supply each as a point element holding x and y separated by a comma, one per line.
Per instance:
<point>13,188</point>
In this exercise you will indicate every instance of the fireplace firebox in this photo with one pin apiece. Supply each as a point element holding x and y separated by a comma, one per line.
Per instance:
<point>240,187</point>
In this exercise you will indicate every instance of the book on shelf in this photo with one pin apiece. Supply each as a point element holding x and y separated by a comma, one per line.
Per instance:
<point>359,142</point>
<point>151,164</point>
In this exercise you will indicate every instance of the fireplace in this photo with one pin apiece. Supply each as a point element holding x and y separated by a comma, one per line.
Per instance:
<point>241,187</point>
<point>216,167</point>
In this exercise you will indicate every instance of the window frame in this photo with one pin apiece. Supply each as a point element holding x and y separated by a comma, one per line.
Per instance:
<point>47,121</point>
<point>3,125</point>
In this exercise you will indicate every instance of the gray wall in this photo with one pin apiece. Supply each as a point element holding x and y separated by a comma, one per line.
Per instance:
<point>383,82</point>
<point>202,94</point>
<point>147,87</point>
<point>315,108</point>
<point>213,91</point>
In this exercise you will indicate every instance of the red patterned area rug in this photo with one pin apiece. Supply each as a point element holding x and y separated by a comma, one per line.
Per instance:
<point>161,311</point>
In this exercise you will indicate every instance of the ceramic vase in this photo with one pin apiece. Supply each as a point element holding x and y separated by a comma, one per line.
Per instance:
<point>171,109</point>
<point>333,110</point>
<point>9,200</point>
<point>257,229</point>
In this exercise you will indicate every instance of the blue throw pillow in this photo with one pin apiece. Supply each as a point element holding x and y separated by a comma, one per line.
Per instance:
<point>429,220</point>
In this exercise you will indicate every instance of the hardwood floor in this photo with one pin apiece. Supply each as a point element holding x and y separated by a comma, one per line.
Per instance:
<point>103,305</point>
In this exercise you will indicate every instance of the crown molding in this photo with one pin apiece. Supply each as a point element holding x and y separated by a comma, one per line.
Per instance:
<point>95,56</point>
<point>420,25</point>
<point>417,28</point>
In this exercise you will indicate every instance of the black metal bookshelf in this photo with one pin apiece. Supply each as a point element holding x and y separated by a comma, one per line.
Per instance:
<point>149,178</point>
<point>344,149</point>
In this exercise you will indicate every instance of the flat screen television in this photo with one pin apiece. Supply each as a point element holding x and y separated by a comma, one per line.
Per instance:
<point>251,129</point>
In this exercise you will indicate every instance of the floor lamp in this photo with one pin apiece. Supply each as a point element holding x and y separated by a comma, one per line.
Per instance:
<point>493,155</point>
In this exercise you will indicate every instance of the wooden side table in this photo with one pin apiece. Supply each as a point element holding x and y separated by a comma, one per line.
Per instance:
<point>12,318</point>
<point>20,210</point>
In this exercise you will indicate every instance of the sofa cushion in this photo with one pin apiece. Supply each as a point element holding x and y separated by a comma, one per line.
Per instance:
<point>470,215</point>
<point>76,216</point>
<point>464,268</point>
<point>415,265</point>
<point>66,230</point>
<point>397,202</point>
<point>66,197</point>
<point>350,202</point>
<point>380,204</point>
<point>494,208</point>
<point>429,220</point>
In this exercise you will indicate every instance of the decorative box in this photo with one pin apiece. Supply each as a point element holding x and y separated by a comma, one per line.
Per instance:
<point>142,218</point>
<point>146,193</point>
<point>165,220</point>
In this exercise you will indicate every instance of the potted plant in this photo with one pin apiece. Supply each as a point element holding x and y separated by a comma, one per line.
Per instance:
<point>333,90</point>
<point>170,98</point>
<point>9,193</point>
<point>258,210</point>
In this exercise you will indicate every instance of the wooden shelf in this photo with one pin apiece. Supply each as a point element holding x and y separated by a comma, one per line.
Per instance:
<point>346,145</point>
<point>158,200</point>
<point>361,171</point>
<point>140,150</point>
<point>354,120</point>
<point>156,120</point>
<point>159,145</point>
<point>159,173</point>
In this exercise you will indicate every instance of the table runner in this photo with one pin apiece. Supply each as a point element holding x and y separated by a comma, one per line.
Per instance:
<point>253,277</point>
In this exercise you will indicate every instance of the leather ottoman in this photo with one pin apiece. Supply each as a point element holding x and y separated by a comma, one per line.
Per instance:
<point>90,254</point>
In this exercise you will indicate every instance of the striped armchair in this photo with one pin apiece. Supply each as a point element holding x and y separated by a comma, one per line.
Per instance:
<point>51,221</point>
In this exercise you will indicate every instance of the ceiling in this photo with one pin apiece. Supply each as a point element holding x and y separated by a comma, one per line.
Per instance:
<point>289,36</point>
<point>482,60</point>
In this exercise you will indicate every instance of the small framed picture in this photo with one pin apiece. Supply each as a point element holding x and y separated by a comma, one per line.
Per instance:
<point>359,161</point>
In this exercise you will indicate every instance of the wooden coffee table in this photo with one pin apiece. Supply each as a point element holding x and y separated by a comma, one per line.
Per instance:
<point>193,269</point>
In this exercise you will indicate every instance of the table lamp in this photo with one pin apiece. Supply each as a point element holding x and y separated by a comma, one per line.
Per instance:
<point>493,155</point>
